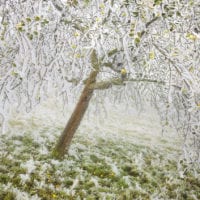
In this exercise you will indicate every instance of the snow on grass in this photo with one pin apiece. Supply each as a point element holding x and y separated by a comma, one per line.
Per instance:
<point>126,157</point>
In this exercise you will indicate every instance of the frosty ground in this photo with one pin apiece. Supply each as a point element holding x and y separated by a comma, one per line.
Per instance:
<point>119,155</point>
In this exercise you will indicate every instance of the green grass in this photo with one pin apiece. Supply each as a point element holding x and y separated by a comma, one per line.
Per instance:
<point>108,168</point>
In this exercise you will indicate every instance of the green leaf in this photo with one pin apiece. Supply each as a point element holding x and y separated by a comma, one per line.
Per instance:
<point>191,2</point>
<point>137,40</point>
<point>37,18</point>
<point>28,19</point>
<point>191,69</point>
<point>45,22</point>
<point>112,52</point>
<point>131,34</point>
<point>30,36</point>
<point>135,14</point>
<point>35,32</point>
<point>157,2</point>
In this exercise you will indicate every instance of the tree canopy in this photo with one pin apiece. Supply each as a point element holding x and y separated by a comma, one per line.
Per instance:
<point>48,44</point>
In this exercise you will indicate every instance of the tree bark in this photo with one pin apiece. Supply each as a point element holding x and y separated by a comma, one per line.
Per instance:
<point>76,117</point>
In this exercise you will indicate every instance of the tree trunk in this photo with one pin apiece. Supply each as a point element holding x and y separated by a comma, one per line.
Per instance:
<point>76,117</point>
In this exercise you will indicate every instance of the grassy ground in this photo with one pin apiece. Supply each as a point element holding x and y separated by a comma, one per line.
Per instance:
<point>112,165</point>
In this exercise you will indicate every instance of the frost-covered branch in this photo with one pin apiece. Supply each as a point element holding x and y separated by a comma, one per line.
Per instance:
<point>118,81</point>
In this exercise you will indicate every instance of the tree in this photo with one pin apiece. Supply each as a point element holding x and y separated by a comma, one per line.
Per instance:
<point>52,42</point>
<point>77,115</point>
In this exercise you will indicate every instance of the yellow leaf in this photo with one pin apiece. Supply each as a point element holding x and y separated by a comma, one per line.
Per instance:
<point>102,6</point>
<point>174,54</point>
<point>123,14</point>
<point>123,71</point>
<point>198,104</point>
<point>184,90</point>
<point>13,73</point>
<point>98,19</point>
<point>19,25</point>
<point>73,46</point>
<point>76,34</point>
<point>151,55</point>
<point>78,55</point>
<point>191,36</point>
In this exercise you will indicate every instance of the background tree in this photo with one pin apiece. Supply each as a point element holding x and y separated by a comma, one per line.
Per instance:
<point>156,41</point>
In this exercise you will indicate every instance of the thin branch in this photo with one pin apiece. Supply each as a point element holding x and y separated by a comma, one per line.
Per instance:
<point>172,62</point>
<point>151,21</point>
<point>115,51</point>
<point>118,81</point>
<point>148,24</point>
<point>58,7</point>
<point>111,66</point>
